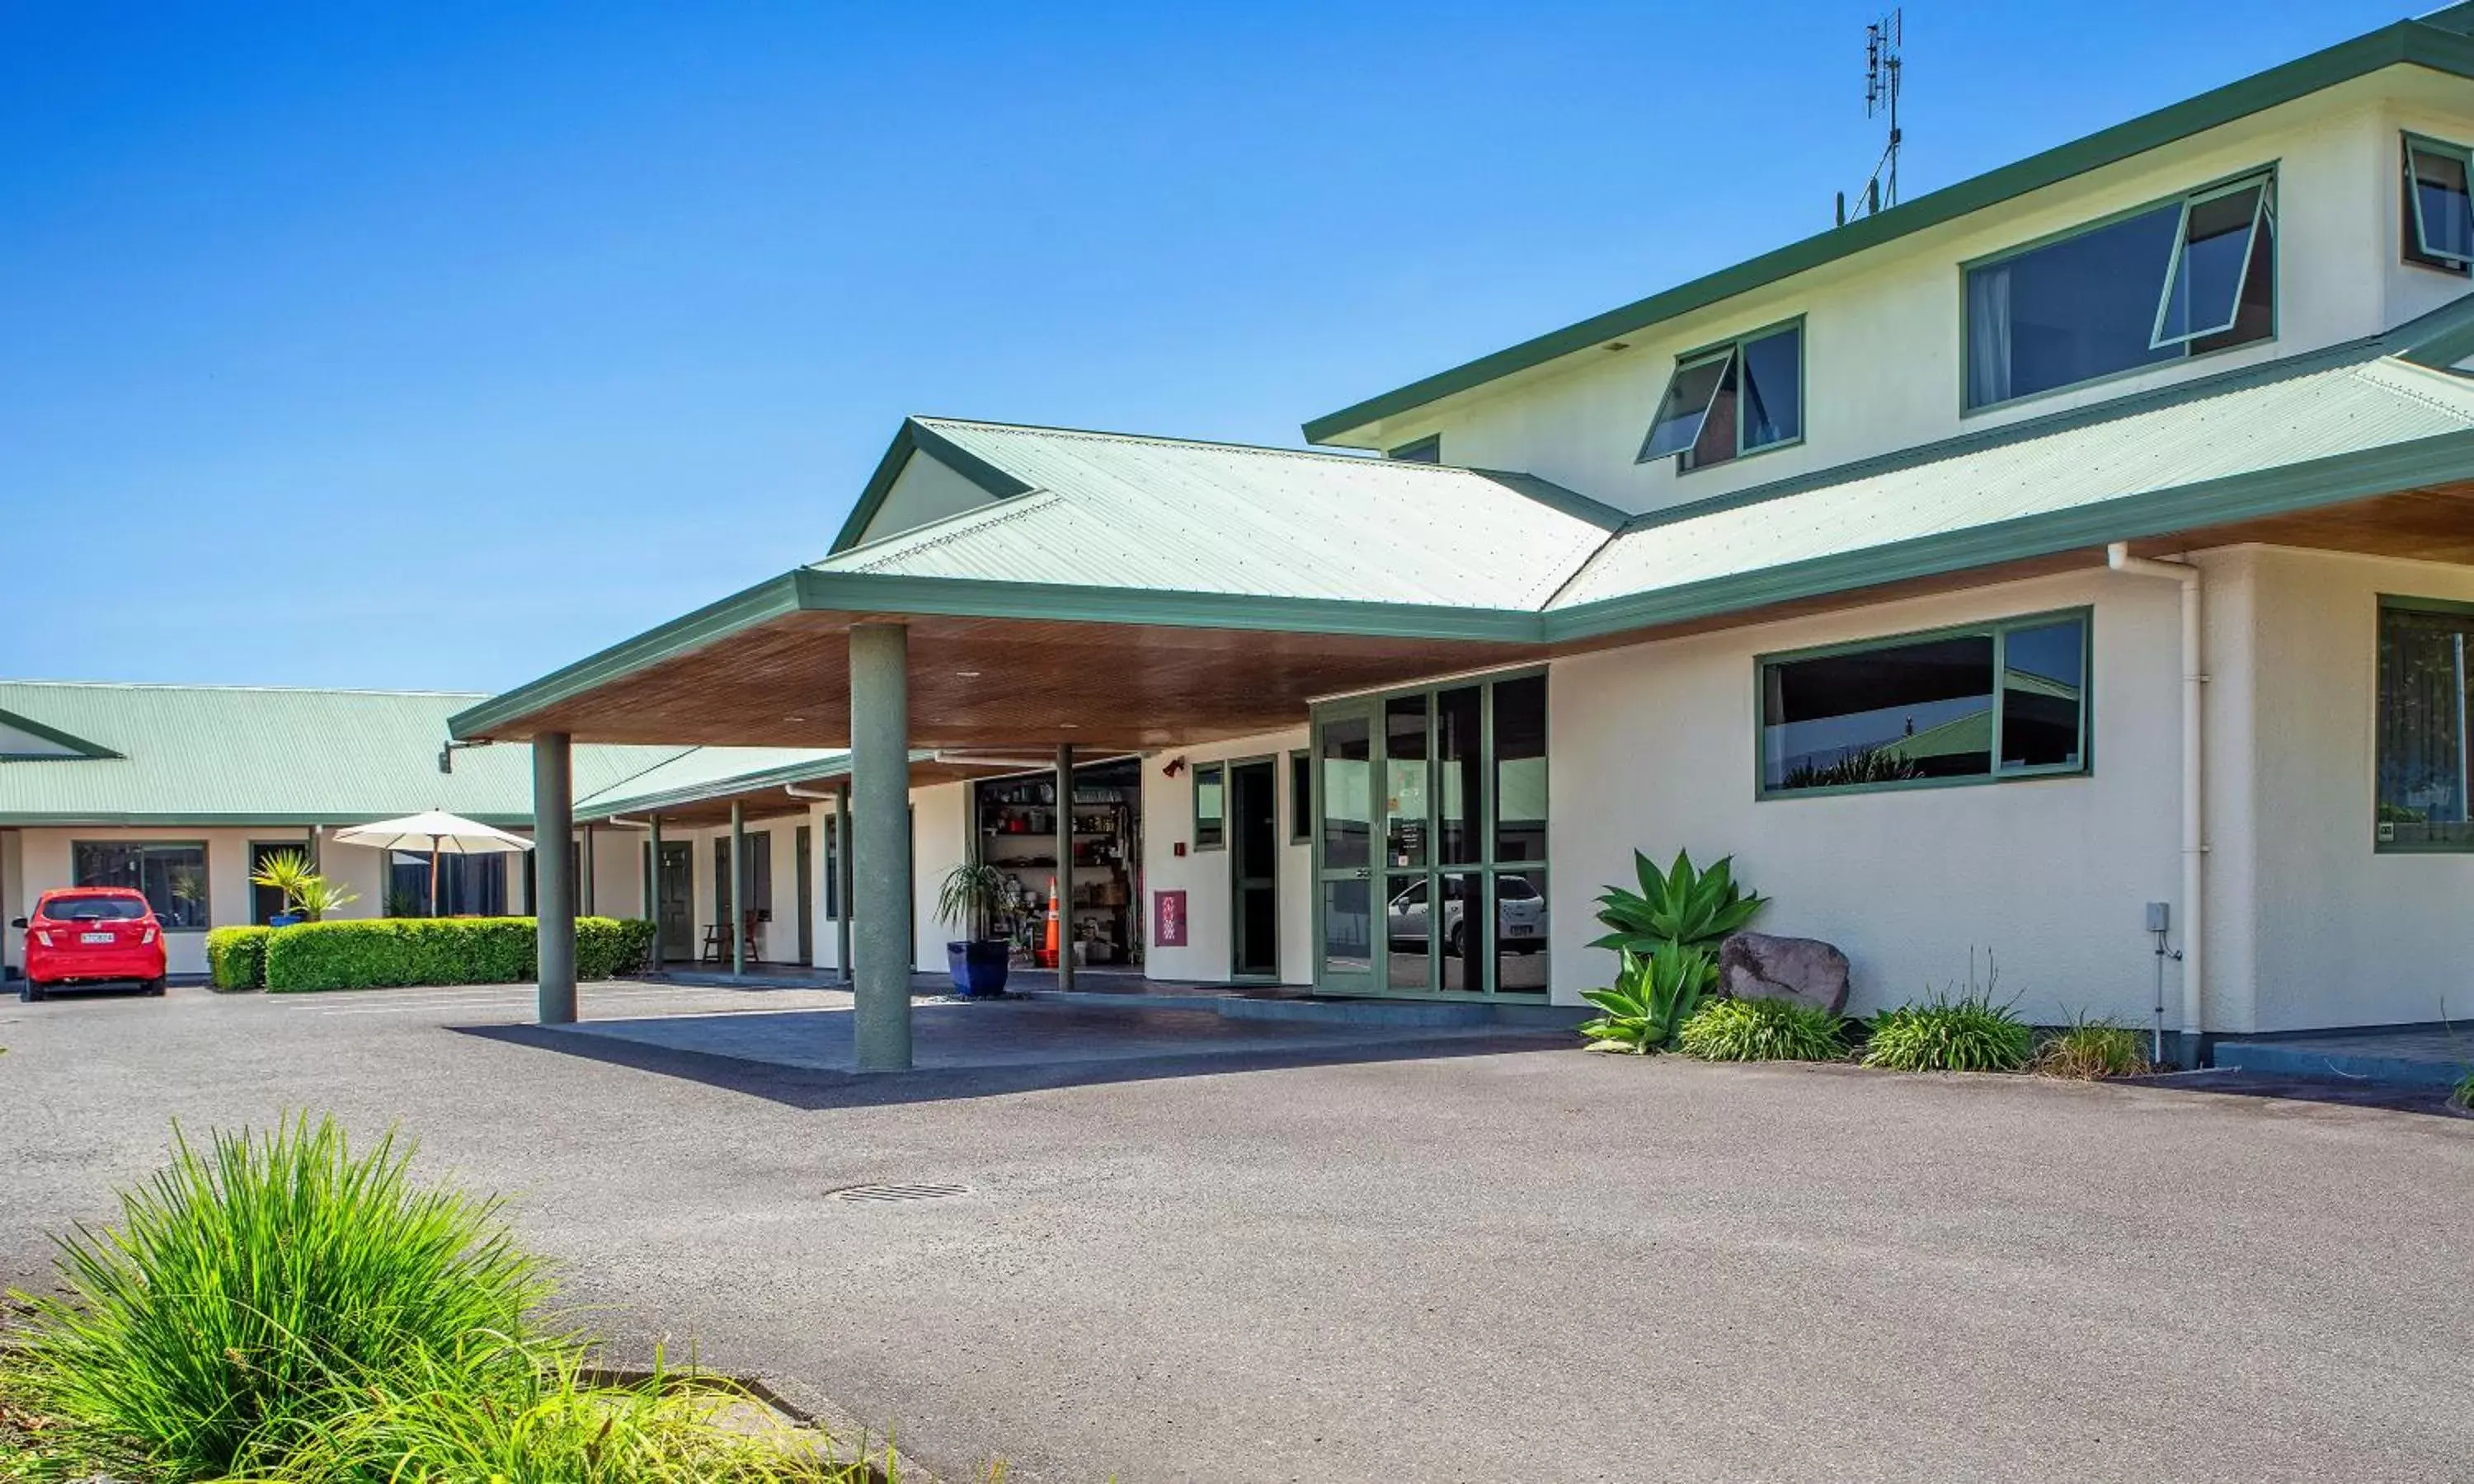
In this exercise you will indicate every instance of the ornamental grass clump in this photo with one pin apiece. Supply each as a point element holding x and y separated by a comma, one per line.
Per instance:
<point>553,1425</point>
<point>1763,1029</point>
<point>253,1285</point>
<point>1965,1034</point>
<point>2091,1049</point>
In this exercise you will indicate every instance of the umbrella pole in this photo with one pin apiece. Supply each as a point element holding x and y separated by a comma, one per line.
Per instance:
<point>433,875</point>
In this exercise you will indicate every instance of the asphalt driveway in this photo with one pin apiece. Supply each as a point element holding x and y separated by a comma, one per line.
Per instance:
<point>1445,1262</point>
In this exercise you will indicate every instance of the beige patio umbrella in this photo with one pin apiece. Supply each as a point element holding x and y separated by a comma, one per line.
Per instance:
<point>438,832</point>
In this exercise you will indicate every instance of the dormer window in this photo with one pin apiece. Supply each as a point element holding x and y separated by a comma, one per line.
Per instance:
<point>2180,278</point>
<point>1724,402</point>
<point>2439,208</point>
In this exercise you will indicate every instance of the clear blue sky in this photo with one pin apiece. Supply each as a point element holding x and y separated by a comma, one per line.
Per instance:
<point>611,308</point>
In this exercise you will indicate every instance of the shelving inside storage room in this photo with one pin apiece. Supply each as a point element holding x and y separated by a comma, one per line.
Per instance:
<point>1017,834</point>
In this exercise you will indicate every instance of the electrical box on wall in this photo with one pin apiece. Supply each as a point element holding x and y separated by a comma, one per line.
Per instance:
<point>2160,916</point>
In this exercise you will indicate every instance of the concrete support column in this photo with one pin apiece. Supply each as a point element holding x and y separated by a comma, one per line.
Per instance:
<point>841,869</point>
<point>737,887</point>
<point>1065,866</point>
<point>880,703</point>
<point>653,888</point>
<point>554,877</point>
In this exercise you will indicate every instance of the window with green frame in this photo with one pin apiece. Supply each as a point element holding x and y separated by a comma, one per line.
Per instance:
<point>2182,278</point>
<point>1981,704</point>
<point>1726,401</point>
<point>2423,797</point>
<point>2438,230</point>
<point>1210,805</point>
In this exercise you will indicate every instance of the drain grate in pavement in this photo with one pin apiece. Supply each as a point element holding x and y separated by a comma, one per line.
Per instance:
<point>886,1195</point>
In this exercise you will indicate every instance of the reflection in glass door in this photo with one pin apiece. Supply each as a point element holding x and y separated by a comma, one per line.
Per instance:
<point>1345,949</point>
<point>1409,916</point>
<point>1432,834</point>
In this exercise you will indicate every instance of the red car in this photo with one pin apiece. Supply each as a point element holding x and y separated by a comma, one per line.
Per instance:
<point>92,936</point>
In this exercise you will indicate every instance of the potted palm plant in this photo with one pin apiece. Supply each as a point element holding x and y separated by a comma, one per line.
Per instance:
<point>307,896</point>
<point>972,899</point>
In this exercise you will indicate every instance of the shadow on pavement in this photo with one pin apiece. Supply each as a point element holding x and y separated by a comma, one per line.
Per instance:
<point>810,1087</point>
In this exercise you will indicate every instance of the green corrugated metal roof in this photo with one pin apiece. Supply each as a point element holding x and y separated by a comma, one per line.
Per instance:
<point>1111,510</point>
<point>1150,531</point>
<point>204,754</point>
<point>712,773</point>
<point>2171,441</point>
<point>2437,41</point>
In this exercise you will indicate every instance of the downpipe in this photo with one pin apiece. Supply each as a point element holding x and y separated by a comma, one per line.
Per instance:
<point>2195,835</point>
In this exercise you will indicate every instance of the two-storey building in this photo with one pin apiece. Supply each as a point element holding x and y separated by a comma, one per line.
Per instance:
<point>2087,536</point>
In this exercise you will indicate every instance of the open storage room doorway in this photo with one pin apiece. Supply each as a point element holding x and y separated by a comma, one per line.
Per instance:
<point>1016,822</point>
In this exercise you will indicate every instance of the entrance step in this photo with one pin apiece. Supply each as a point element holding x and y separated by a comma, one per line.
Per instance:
<point>1330,1011</point>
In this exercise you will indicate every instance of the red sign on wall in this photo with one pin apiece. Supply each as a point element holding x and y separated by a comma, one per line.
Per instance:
<point>1168,920</point>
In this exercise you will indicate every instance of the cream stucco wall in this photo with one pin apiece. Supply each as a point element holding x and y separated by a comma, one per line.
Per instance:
<point>2340,934</point>
<point>1882,329</point>
<point>1653,747</point>
<point>1168,822</point>
<point>44,862</point>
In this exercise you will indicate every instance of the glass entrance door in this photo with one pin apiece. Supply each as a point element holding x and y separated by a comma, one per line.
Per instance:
<point>1430,840</point>
<point>1348,953</point>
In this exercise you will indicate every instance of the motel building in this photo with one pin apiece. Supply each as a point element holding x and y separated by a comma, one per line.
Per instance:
<point>2090,534</point>
<point>2079,550</point>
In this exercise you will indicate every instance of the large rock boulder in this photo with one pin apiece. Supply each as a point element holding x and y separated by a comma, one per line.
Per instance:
<point>1755,966</point>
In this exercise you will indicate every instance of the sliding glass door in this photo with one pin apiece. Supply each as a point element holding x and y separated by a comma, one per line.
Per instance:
<point>1430,840</point>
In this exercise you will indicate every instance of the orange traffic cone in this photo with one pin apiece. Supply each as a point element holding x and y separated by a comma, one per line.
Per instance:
<point>1047,953</point>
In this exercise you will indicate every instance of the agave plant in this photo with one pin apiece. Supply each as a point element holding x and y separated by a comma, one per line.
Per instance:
<point>1653,996</point>
<point>1679,908</point>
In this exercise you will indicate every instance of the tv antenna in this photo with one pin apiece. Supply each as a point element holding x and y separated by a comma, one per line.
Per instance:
<point>1882,64</point>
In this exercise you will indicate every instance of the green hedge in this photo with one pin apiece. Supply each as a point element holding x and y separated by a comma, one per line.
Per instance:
<point>236,957</point>
<point>392,951</point>
<point>606,947</point>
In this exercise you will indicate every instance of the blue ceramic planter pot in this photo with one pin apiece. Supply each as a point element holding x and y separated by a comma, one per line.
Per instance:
<point>979,969</point>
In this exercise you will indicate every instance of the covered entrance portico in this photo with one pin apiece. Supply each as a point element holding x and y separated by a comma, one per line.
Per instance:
<point>903,692</point>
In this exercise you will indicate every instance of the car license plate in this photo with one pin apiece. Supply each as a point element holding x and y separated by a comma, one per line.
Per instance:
<point>1516,930</point>
<point>95,938</point>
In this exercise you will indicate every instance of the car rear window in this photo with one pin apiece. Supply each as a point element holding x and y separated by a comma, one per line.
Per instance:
<point>94,909</point>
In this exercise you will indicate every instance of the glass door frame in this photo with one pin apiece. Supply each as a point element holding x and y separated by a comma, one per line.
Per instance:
<point>1485,871</point>
<point>1367,981</point>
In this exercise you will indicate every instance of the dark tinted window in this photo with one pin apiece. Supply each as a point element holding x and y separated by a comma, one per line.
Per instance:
<point>2439,209</point>
<point>2422,796</point>
<point>2043,683</point>
<point>2174,280</point>
<point>1520,768</point>
<point>171,877</point>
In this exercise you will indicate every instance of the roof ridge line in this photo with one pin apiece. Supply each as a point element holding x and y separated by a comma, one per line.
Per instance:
<point>2401,375</point>
<point>951,529</point>
<point>943,528</point>
<point>1343,455</point>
